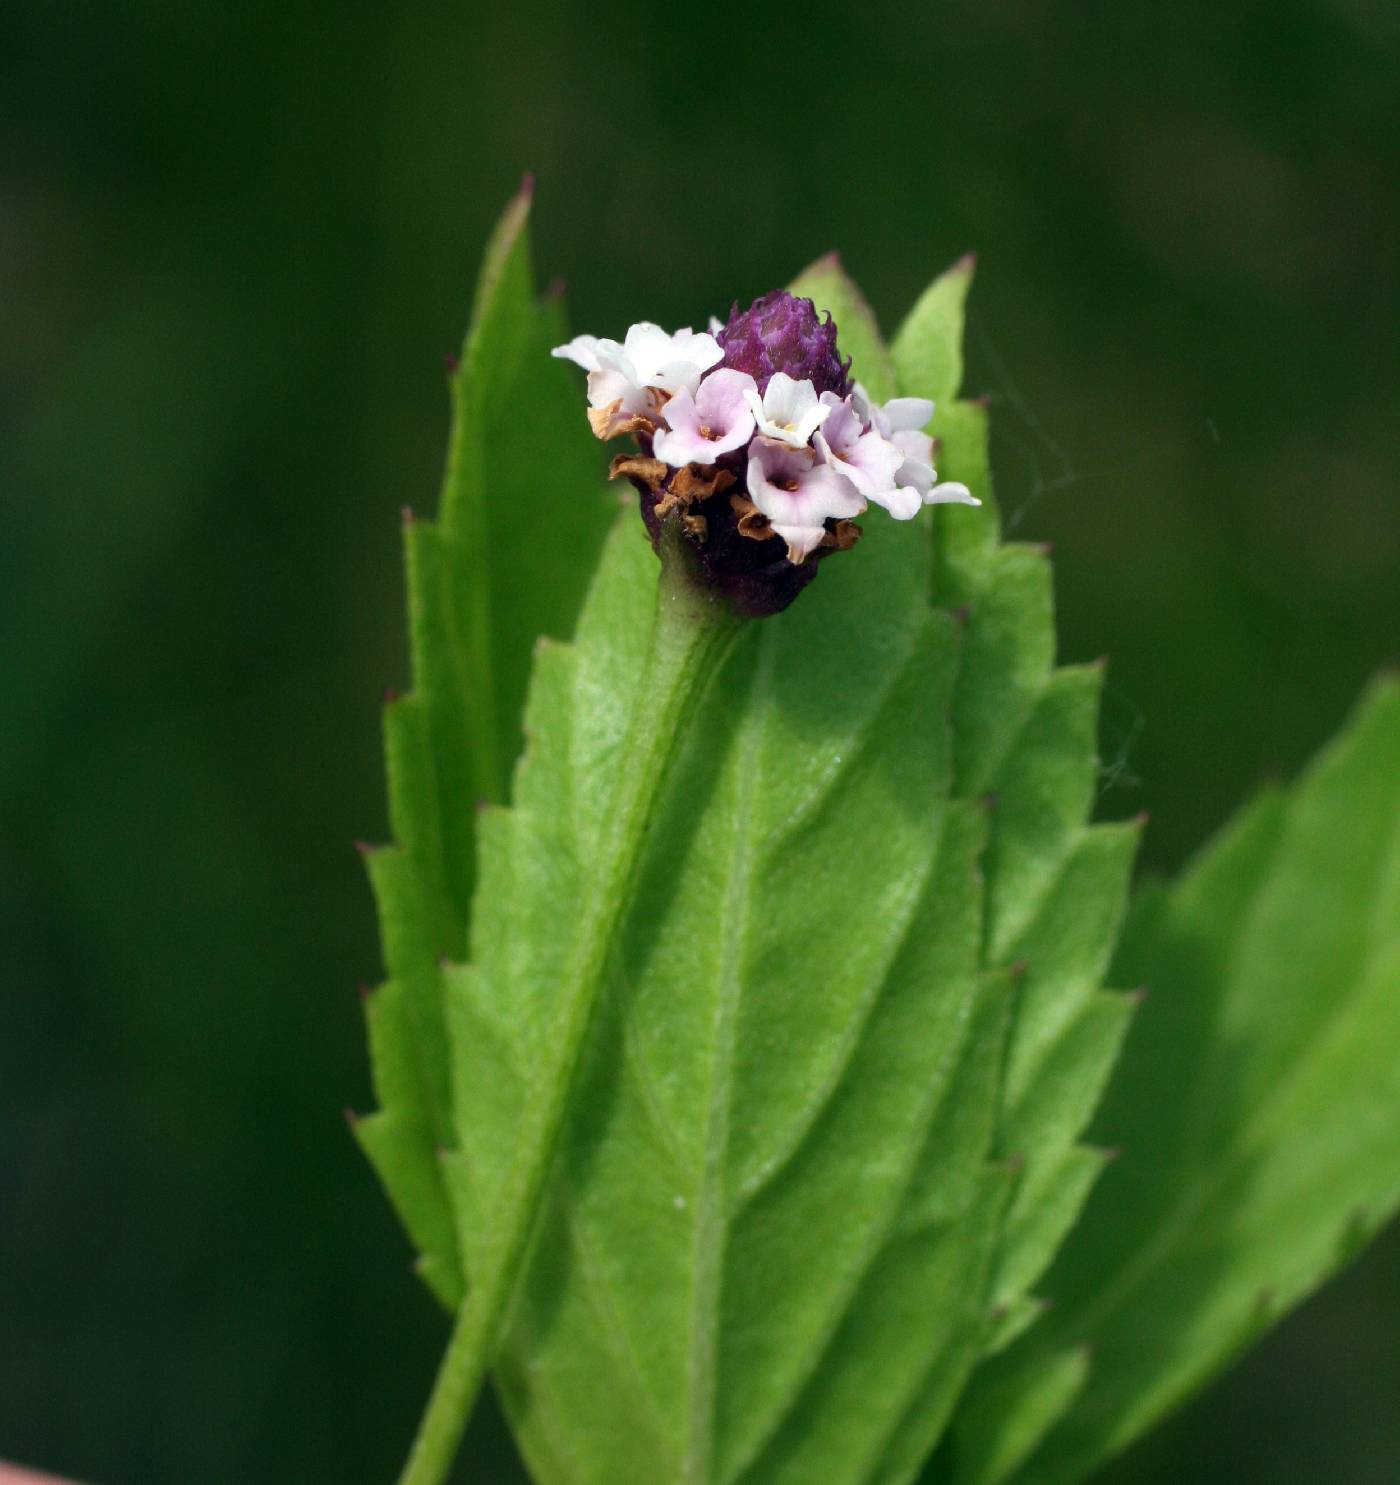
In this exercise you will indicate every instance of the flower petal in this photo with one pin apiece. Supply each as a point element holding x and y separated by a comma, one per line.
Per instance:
<point>582,350</point>
<point>950,493</point>
<point>908,413</point>
<point>903,502</point>
<point>790,410</point>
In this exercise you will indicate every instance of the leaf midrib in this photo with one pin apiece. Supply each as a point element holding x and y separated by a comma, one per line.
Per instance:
<point>711,1216</point>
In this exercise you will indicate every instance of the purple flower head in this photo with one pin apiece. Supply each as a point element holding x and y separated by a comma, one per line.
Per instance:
<point>755,446</point>
<point>780,333</point>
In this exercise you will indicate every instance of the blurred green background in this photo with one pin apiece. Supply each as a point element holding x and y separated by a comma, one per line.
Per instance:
<point>235,243</point>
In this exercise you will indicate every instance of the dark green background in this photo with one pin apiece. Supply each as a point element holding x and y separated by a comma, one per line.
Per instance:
<point>235,242</point>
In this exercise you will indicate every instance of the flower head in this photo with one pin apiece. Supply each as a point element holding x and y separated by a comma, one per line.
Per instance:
<point>752,440</point>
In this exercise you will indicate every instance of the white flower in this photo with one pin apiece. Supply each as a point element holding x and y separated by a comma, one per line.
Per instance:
<point>848,443</point>
<point>789,411</point>
<point>648,356</point>
<point>797,492</point>
<point>901,421</point>
<point>582,350</point>
<point>623,378</point>
<point>712,422</point>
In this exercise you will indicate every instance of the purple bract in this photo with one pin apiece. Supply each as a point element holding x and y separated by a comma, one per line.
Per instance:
<point>781,333</point>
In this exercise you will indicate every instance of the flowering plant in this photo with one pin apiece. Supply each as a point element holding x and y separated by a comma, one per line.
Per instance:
<point>739,1056</point>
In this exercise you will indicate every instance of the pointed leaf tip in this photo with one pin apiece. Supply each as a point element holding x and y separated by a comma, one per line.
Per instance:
<point>927,349</point>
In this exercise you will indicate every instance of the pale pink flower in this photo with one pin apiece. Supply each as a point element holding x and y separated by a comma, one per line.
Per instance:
<point>714,421</point>
<point>798,492</point>
<point>851,446</point>
<point>901,421</point>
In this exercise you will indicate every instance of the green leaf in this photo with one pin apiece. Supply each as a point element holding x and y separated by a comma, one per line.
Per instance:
<point>768,1250</point>
<point>520,521</point>
<point>1003,1417</point>
<point>830,288</point>
<point>773,1013</point>
<point>1256,1104</point>
<point>928,350</point>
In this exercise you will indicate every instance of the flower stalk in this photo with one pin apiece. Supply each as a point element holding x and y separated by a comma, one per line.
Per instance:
<point>692,632</point>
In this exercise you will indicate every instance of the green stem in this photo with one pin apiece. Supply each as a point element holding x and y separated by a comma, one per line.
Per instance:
<point>691,634</point>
